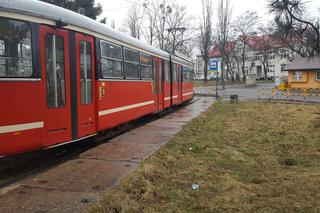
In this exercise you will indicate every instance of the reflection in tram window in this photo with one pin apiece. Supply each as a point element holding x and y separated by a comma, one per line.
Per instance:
<point>131,63</point>
<point>15,49</point>
<point>85,72</point>
<point>111,60</point>
<point>55,72</point>
<point>166,70</point>
<point>146,66</point>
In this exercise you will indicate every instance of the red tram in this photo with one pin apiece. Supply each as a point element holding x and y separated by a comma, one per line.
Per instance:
<point>65,77</point>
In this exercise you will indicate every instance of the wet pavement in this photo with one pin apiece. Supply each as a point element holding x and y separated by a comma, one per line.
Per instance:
<point>78,183</point>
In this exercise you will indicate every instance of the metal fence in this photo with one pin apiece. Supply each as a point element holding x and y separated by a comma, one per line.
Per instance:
<point>290,94</point>
<point>205,90</point>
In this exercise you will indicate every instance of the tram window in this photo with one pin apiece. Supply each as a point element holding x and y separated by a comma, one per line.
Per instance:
<point>166,71</point>
<point>146,66</point>
<point>85,72</point>
<point>187,74</point>
<point>111,60</point>
<point>15,49</point>
<point>131,64</point>
<point>55,71</point>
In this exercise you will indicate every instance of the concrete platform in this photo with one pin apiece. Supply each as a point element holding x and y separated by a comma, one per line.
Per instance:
<point>76,184</point>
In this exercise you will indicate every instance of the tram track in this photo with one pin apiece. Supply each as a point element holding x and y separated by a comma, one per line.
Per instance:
<point>14,169</point>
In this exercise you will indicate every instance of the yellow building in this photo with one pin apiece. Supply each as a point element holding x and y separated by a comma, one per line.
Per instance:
<point>304,73</point>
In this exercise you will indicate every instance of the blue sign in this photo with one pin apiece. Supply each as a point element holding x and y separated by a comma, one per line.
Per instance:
<point>213,65</point>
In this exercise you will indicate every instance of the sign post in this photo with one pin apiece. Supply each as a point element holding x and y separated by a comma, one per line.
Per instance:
<point>214,72</point>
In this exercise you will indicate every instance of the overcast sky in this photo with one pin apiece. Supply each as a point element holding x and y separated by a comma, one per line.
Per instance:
<point>117,9</point>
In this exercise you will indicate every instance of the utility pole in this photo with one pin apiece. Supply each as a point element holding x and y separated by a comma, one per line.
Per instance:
<point>222,75</point>
<point>165,10</point>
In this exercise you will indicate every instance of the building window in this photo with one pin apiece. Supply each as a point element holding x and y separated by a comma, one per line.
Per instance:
<point>297,75</point>
<point>318,76</point>
<point>271,68</point>
<point>111,60</point>
<point>15,49</point>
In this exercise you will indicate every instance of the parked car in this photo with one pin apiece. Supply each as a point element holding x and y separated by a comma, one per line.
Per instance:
<point>271,78</point>
<point>260,78</point>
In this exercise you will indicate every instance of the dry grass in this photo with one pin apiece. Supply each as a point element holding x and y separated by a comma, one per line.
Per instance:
<point>246,157</point>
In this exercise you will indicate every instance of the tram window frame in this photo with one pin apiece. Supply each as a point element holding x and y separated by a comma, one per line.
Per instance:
<point>4,58</point>
<point>145,65</point>
<point>132,63</point>
<point>113,60</point>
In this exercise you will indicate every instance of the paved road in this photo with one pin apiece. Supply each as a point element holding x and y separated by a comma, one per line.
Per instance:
<point>244,93</point>
<point>76,184</point>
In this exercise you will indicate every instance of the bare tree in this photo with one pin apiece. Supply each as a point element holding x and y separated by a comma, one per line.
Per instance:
<point>301,34</point>
<point>180,30</point>
<point>267,45</point>
<point>206,38</point>
<point>113,24</point>
<point>244,26</point>
<point>163,24</point>
<point>103,20</point>
<point>132,21</point>
<point>167,26</point>
<point>223,28</point>
<point>149,29</point>
<point>161,9</point>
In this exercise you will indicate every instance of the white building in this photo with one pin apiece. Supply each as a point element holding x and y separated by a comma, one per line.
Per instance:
<point>263,54</point>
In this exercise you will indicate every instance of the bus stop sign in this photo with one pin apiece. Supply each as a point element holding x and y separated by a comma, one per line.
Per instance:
<point>213,65</point>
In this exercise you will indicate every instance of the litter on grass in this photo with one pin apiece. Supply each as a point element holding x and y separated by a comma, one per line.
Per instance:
<point>195,186</point>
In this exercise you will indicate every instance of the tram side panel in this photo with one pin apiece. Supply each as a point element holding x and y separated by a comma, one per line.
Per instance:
<point>167,85</point>
<point>175,91</point>
<point>123,101</point>
<point>125,88</point>
<point>21,113</point>
<point>187,93</point>
<point>187,85</point>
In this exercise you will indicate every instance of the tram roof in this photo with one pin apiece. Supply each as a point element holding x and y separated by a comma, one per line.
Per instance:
<point>48,11</point>
<point>182,59</point>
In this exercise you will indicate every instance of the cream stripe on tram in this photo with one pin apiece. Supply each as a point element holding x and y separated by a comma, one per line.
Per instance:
<point>21,127</point>
<point>168,98</point>
<point>189,93</point>
<point>119,109</point>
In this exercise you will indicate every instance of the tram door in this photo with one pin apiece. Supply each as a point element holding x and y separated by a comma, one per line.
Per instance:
<point>56,85</point>
<point>179,79</point>
<point>85,72</point>
<point>157,64</point>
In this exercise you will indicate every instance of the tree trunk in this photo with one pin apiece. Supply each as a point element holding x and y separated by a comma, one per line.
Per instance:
<point>205,69</point>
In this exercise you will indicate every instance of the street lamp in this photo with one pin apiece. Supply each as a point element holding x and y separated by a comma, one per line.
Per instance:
<point>174,29</point>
